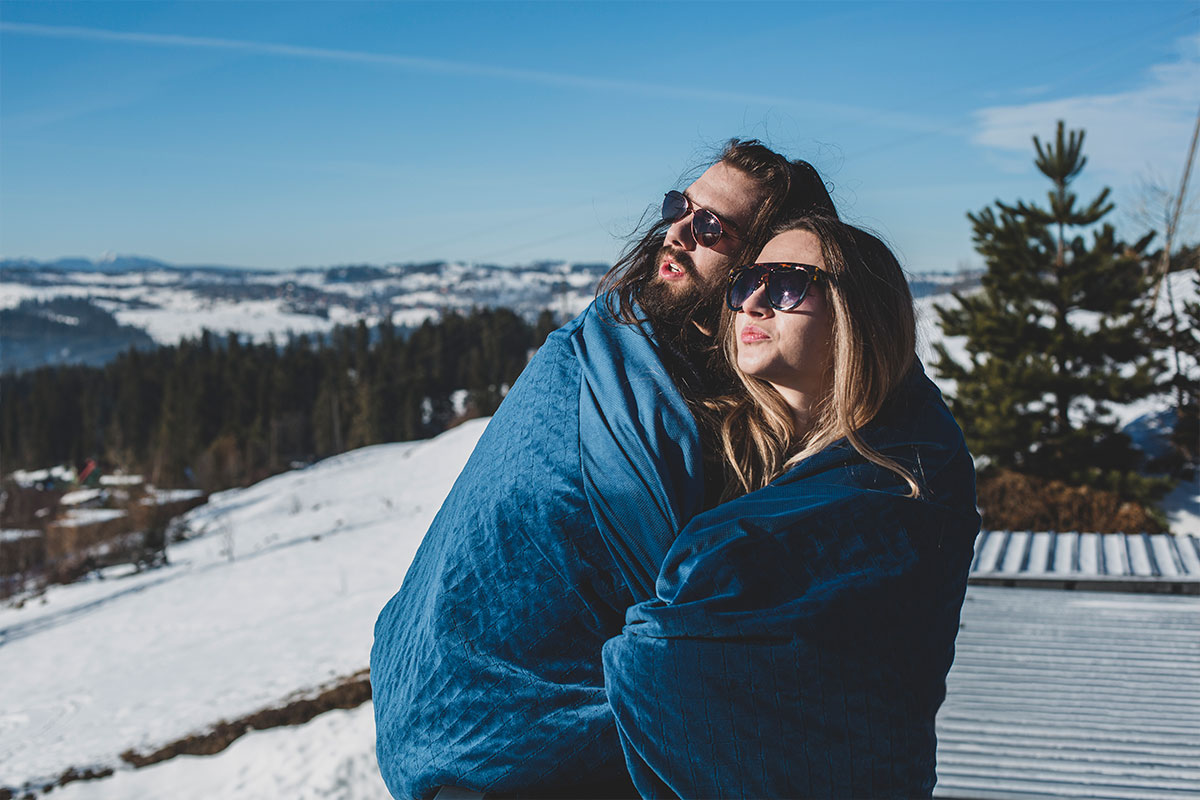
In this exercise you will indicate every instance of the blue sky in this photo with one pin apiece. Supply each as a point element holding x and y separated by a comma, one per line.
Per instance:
<point>281,134</point>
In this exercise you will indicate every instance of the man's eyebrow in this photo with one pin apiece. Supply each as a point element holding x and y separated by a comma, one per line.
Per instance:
<point>733,226</point>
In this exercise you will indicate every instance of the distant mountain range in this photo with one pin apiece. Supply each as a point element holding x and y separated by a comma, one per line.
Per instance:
<point>107,264</point>
<point>75,310</point>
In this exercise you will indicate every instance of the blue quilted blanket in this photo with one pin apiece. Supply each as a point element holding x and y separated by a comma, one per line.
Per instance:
<point>486,665</point>
<point>801,636</point>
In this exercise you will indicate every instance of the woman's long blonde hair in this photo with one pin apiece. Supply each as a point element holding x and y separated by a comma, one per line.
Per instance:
<point>873,346</point>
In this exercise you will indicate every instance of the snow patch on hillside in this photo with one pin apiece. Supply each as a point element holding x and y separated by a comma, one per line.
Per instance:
<point>1182,507</point>
<point>184,316</point>
<point>929,333</point>
<point>330,758</point>
<point>277,594</point>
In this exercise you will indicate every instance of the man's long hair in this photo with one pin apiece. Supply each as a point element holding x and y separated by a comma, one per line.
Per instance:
<point>872,346</point>
<point>791,188</point>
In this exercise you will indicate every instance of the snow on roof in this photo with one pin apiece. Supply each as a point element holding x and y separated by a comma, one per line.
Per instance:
<point>121,480</point>
<point>1153,562</point>
<point>88,516</point>
<point>17,534</point>
<point>164,496</point>
<point>28,477</point>
<point>80,496</point>
<point>1072,694</point>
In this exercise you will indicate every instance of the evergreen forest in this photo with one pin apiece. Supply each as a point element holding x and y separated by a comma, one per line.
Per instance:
<point>217,411</point>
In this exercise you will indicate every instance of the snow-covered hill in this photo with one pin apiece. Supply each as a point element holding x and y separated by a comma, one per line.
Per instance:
<point>330,758</point>
<point>277,594</point>
<point>170,303</point>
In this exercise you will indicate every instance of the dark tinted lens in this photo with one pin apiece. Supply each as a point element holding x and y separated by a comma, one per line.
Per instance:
<point>706,227</point>
<point>675,206</point>
<point>786,288</point>
<point>741,286</point>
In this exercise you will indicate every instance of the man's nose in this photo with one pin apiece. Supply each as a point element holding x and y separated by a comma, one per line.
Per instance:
<point>680,233</point>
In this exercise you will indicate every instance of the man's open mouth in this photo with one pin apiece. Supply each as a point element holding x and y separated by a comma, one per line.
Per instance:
<point>669,270</point>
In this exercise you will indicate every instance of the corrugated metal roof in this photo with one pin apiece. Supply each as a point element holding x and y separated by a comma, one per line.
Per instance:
<point>1072,694</point>
<point>1133,562</point>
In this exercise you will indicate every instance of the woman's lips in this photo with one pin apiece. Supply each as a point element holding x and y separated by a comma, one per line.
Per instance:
<point>751,334</point>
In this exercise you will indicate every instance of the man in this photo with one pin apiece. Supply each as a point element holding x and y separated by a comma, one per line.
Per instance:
<point>486,666</point>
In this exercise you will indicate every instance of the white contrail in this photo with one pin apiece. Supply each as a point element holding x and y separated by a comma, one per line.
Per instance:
<point>409,62</point>
<point>446,67</point>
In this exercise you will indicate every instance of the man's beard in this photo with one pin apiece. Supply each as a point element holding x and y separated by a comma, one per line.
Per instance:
<point>672,305</point>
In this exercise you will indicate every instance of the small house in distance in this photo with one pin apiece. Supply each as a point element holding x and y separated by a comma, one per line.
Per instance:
<point>1077,670</point>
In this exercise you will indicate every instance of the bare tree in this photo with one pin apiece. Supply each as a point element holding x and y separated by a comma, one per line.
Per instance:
<point>1160,208</point>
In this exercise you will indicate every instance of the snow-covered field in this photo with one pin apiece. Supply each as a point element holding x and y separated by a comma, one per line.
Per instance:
<point>330,758</point>
<point>278,595</point>
<point>182,315</point>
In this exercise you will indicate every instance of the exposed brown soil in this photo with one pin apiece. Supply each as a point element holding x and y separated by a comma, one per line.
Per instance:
<point>349,692</point>
<point>69,776</point>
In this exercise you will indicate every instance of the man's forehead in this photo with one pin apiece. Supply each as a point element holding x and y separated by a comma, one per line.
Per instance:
<point>727,192</point>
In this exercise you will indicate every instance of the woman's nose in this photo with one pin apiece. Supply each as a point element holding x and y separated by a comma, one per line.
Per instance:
<point>757,304</point>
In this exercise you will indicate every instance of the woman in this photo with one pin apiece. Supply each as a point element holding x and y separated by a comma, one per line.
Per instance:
<point>802,632</point>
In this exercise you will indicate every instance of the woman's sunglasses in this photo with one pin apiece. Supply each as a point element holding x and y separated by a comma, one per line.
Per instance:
<point>787,284</point>
<point>706,226</point>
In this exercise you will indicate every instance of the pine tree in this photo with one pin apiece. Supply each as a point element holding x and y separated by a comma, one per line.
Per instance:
<point>1059,331</point>
<point>546,324</point>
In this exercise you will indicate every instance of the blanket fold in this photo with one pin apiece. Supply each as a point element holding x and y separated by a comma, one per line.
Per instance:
<point>639,448</point>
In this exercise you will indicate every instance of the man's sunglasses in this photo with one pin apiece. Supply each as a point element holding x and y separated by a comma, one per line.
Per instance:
<point>787,284</point>
<point>706,226</point>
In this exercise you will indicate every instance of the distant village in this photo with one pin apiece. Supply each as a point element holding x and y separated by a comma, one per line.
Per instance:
<point>63,523</point>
